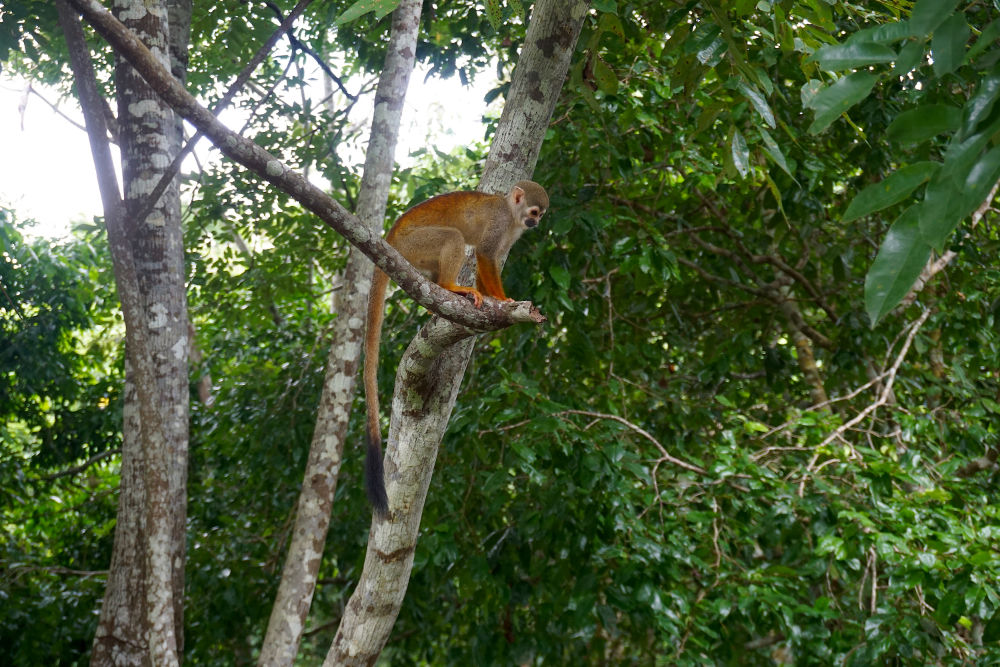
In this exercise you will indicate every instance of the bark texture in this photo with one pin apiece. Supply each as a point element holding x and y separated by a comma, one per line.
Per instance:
<point>312,519</point>
<point>149,138</point>
<point>434,364</point>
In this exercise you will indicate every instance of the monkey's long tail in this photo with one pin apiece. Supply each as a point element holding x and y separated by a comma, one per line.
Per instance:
<point>374,473</point>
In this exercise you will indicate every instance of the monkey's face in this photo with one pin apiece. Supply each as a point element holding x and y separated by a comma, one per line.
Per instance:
<point>532,215</point>
<point>528,202</point>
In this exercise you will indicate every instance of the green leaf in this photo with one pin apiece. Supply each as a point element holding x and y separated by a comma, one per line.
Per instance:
<point>517,6</point>
<point>909,57</point>
<point>981,105</point>
<point>606,80</point>
<point>741,154</point>
<point>835,57</point>
<point>493,14</point>
<point>611,23</point>
<point>945,198</point>
<point>940,212</point>
<point>929,14</point>
<point>809,91</point>
<point>981,179</point>
<point>830,102</point>
<point>916,125</point>
<point>948,44</point>
<point>900,260</point>
<point>706,45</point>
<point>560,275</point>
<point>772,148</point>
<point>882,34</point>
<point>607,6</point>
<point>894,188</point>
<point>756,99</point>
<point>984,40</point>
<point>362,7</point>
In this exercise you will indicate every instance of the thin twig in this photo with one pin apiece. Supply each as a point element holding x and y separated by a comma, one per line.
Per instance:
<point>83,466</point>
<point>663,450</point>
<point>882,398</point>
<point>241,79</point>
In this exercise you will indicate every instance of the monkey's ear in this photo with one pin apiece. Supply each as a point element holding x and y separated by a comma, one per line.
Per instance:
<point>517,194</point>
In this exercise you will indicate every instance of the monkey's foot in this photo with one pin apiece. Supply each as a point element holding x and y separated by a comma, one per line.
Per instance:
<point>477,297</point>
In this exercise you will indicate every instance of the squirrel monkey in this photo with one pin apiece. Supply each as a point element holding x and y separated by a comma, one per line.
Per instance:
<point>432,236</point>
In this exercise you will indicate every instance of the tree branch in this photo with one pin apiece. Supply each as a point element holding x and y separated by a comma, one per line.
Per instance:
<point>82,466</point>
<point>490,317</point>
<point>664,455</point>
<point>241,79</point>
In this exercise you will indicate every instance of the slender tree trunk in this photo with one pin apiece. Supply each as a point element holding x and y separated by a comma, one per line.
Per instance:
<point>433,366</point>
<point>312,520</point>
<point>121,637</point>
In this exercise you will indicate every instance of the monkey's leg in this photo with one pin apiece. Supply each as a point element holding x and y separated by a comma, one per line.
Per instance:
<point>439,251</point>
<point>488,278</point>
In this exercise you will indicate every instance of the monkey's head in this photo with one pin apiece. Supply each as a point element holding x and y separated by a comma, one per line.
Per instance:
<point>528,202</point>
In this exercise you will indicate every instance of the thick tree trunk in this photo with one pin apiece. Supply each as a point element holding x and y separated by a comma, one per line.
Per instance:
<point>142,615</point>
<point>312,520</point>
<point>433,366</point>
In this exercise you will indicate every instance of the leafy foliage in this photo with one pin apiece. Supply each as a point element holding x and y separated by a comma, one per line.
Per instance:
<point>59,399</point>
<point>708,455</point>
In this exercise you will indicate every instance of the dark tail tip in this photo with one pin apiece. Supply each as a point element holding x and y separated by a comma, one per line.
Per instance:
<point>375,477</point>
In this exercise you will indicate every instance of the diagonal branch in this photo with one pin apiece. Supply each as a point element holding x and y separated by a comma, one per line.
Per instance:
<point>241,80</point>
<point>490,317</point>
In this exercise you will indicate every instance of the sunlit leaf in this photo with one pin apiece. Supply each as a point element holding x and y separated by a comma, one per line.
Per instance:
<point>517,6</point>
<point>757,100</point>
<point>882,34</point>
<point>741,154</point>
<point>362,7</point>
<point>611,23</point>
<point>835,57</point>
<point>560,275</point>
<point>605,77</point>
<point>493,13</point>
<point>772,148</point>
